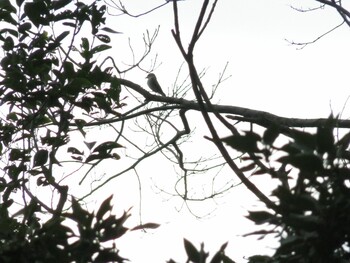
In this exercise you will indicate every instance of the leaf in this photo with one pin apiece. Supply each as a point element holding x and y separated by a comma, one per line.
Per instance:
<point>226,259</point>
<point>290,148</point>
<point>109,256</point>
<point>5,11</point>
<point>248,167</point>
<point>99,156</point>
<point>111,227</point>
<point>100,48</point>
<point>259,171</point>
<point>23,28</point>
<point>271,134</point>
<point>304,162</point>
<point>103,38</point>
<point>303,140</point>
<point>325,140</point>
<point>74,151</point>
<point>114,91</point>
<point>68,69</point>
<point>41,181</point>
<point>260,217</point>
<point>62,36</point>
<point>243,143</point>
<point>104,208</point>
<point>304,222</point>
<point>259,232</point>
<point>191,251</point>
<point>100,100</point>
<point>85,44</point>
<point>104,147</point>
<point>81,216</point>
<point>60,3</point>
<point>78,158</point>
<point>41,157</point>
<point>35,172</point>
<point>7,30</point>
<point>15,154</point>
<point>147,225</point>
<point>77,85</point>
<point>71,24</point>
<point>6,5</point>
<point>219,256</point>
<point>116,156</point>
<point>344,142</point>
<point>8,44</point>
<point>260,259</point>
<point>37,12</point>
<point>109,30</point>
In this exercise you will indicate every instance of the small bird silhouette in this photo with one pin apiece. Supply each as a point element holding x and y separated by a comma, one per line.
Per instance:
<point>153,84</point>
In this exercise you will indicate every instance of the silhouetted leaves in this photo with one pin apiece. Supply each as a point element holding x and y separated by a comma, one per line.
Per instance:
<point>304,161</point>
<point>37,12</point>
<point>43,88</point>
<point>200,256</point>
<point>312,208</point>
<point>243,143</point>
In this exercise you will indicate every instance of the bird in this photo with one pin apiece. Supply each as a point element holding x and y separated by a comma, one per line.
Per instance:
<point>153,84</point>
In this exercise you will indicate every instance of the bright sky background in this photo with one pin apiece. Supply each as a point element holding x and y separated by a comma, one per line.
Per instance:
<point>267,73</point>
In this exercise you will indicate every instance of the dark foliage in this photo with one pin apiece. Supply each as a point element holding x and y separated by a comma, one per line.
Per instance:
<point>312,215</point>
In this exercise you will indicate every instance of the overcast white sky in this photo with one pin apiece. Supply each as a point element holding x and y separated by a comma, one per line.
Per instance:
<point>267,73</point>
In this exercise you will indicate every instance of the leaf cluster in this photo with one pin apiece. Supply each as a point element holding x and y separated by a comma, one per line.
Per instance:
<point>55,241</point>
<point>312,213</point>
<point>46,81</point>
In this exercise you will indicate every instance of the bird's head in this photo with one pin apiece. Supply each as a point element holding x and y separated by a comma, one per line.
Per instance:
<point>151,76</point>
